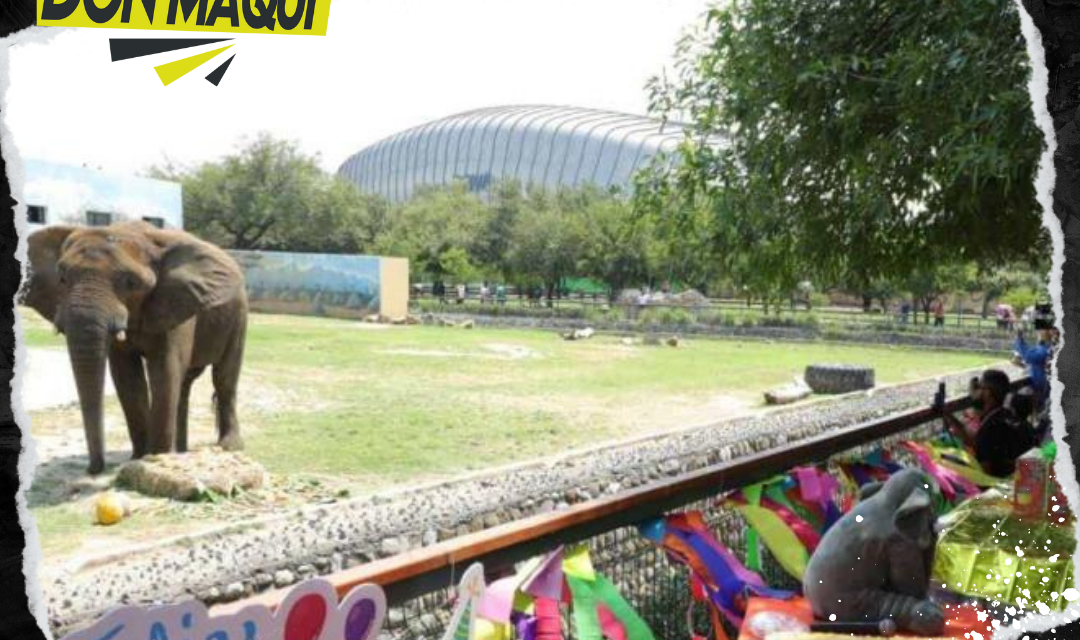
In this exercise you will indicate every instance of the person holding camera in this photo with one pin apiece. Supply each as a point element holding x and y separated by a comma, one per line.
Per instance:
<point>1000,437</point>
<point>1036,358</point>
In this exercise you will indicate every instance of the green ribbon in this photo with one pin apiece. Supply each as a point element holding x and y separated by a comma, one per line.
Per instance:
<point>587,596</point>
<point>753,550</point>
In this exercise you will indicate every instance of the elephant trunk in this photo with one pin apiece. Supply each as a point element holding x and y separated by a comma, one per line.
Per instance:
<point>88,337</point>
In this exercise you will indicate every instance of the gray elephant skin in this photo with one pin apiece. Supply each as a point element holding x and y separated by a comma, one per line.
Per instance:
<point>875,562</point>
<point>159,306</point>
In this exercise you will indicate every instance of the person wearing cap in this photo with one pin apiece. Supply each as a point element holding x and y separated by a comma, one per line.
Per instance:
<point>1001,438</point>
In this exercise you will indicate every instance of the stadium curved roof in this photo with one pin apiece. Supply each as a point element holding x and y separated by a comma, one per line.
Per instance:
<point>538,145</point>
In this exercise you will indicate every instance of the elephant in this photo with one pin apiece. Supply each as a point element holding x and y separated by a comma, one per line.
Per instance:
<point>875,562</point>
<point>160,306</point>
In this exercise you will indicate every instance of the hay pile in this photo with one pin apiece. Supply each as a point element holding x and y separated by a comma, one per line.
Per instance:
<point>196,475</point>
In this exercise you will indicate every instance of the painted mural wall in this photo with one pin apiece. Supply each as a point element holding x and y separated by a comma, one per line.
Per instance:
<point>340,286</point>
<point>63,194</point>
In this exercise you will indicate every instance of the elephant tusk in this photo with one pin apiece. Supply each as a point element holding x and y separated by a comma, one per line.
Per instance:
<point>121,336</point>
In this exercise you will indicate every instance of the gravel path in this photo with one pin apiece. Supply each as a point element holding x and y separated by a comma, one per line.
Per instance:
<point>319,540</point>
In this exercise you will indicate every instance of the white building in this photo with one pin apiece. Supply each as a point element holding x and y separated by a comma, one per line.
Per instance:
<point>63,194</point>
<point>548,146</point>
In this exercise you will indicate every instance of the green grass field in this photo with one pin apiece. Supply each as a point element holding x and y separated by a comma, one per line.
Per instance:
<point>359,406</point>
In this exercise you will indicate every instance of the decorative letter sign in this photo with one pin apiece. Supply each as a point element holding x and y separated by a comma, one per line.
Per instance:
<point>310,612</point>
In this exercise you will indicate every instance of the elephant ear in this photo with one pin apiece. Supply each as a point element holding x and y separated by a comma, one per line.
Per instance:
<point>192,276</point>
<point>42,289</point>
<point>869,489</point>
<point>914,518</point>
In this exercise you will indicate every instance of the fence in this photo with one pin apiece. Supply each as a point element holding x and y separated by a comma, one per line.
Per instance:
<point>714,312</point>
<point>417,583</point>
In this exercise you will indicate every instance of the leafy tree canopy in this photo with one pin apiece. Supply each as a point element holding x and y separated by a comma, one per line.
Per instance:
<point>269,195</point>
<point>861,139</point>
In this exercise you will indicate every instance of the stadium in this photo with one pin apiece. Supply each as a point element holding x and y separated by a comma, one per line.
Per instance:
<point>550,146</point>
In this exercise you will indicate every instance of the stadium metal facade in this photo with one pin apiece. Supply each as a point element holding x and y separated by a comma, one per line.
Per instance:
<point>536,145</point>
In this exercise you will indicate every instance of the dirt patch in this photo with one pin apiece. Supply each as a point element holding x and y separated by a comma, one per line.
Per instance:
<point>512,351</point>
<point>635,418</point>
<point>495,351</point>
<point>55,366</point>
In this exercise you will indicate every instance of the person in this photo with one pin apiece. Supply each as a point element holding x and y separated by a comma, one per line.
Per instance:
<point>483,293</point>
<point>1006,316</point>
<point>438,291</point>
<point>905,309</point>
<point>1027,318</point>
<point>500,293</point>
<point>1036,359</point>
<point>642,301</point>
<point>939,313</point>
<point>461,294</point>
<point>1001,438</point>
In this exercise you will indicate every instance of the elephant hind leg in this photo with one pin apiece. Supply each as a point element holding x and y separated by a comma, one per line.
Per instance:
<point>182,408</point>
<point>226,377</point>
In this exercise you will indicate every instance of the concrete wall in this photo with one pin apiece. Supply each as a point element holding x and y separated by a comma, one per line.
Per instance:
<point>69,194</point>
<point>313,284</point>
<point>394,287</point>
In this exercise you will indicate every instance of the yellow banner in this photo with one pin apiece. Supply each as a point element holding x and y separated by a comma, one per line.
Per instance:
<point>287,17</point>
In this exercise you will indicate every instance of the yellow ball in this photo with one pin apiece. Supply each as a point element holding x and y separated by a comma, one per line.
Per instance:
<point>109,509</point>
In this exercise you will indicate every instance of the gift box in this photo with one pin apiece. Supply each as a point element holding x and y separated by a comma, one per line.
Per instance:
<point>986,552</point>
<point>768,619</point>
<point>1033,486</point>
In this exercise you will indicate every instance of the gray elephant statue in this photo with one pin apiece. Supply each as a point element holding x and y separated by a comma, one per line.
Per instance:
<point>160,306</point>
<point>875,562</point>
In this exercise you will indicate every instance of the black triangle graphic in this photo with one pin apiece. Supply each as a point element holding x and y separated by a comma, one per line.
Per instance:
<point>216,75</point>
<point>127,48</point>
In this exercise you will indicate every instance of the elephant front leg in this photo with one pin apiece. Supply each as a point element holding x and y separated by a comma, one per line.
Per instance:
<point>129,378</point>
<point>923,617</point>
<point>166,377</point>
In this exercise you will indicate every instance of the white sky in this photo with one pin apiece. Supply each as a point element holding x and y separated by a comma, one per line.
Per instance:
<point>385,65</point>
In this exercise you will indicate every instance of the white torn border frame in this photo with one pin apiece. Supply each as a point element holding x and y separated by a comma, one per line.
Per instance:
<point>28,459</point>
<point>1038,86</point>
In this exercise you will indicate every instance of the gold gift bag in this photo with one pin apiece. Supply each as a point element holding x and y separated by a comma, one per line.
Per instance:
<point>986,553</point>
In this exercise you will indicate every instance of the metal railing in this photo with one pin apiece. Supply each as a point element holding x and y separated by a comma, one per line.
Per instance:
<point>718,312</point>
<point>418,583</point>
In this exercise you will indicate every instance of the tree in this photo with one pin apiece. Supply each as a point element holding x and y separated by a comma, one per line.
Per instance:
<point>269,195</point>
<point>618,247</point>
<point>862,138</point>
<point>439,230</point>
<point>505,204</point>
<point>547,240</point>
<point>930,282</point>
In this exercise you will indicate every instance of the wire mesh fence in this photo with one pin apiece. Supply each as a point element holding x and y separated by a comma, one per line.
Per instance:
<point>657,587</point>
